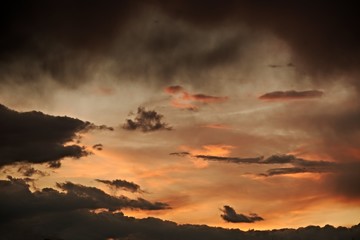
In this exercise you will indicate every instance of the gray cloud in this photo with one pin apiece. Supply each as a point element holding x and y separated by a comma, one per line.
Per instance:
<point>121,184</point>
<point>146,121</point>
<point>230,215</point>
<point>35,137</point>
<point>17,201</point>
<point>84,225</point>
<point>292,95</point>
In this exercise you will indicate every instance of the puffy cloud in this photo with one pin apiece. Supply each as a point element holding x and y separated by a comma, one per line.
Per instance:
<point>85,225</point>
<point>230,215</point>
<point>35,137</point>
<point>18,201</point>
<point>146,121</point>
<point>292,95</point>
<point>121,184</point>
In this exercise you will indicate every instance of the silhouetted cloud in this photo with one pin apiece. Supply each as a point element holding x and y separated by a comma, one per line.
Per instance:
<point>28,171</point>
<point>121,184</point>
<point>230,159</point>
<point>180,154</point>
<point>85,225</point>
<point>146,121</point>
<point>74,197</point>
<point>98,146</point>
<point>292,95</point>
<point>230,215</point>
<point>291,170</point>
<point>35,137</point>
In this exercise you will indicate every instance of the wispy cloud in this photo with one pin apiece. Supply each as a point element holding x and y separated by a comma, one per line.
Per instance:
<point>292,95</point>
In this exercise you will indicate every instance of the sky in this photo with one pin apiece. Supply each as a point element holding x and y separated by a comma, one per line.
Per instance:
<point>178,115</point>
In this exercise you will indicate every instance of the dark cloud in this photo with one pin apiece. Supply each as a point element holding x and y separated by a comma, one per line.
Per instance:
<point>38,35</point>
<point>121,184</point>
<point>35,137</point>
<point>28,171</point>
<point>292,95</point>
<point>85,225</point>
<point>230,159</point>
<point>324,40</point>
<point>18,201</point>
<point>290,170</point>
<point>274,159</point>
<point>280,66</point>
<point>146,121</point>
<point>180,154</point>
<point>98,146</point>
<point>230,215</point>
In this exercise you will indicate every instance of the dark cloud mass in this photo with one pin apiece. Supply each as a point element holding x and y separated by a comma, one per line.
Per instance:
<point>322,35</point>
<point>82,224</point>
<point>35,137</point>
<point>17,201</point>
<point>121,184</point>
<point>230,215</point>
<point>146,121</point>
<point>292,95</point>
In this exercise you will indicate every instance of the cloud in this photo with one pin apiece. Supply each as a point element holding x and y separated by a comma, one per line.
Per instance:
<point>121,184</point>
<point>146,121</point>
<point>28,171</point>
<point>292,95</point>
<point>180,154</point>
<point>230,159</point>
<point>185,100</point>
<point>98,146</point>
<point>18,201</point>
<point>85,225</point>
<point>230,215</point>
<point>35,137</point>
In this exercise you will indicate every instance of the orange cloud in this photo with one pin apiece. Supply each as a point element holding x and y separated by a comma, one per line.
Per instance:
<point>185,100</point>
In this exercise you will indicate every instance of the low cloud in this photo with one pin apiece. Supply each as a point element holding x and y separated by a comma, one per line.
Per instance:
<point>185,100</point>
<point>18,201</point>
<point>35,137</point>
<point>180,154</point>
<point>50,214</point>
<point>230,215</point>
<point>299,165</point>
<point>121,184</point>
<point>230,159</point>
<point>146,121</point>
<point>292,95</point>
<point>28,171</point>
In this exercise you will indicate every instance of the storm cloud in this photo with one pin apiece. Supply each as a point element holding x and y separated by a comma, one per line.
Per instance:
<point>18,201</point>
<point>35,137</point>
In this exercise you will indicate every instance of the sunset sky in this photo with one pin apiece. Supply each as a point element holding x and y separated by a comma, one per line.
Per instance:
<point>233,114</point>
